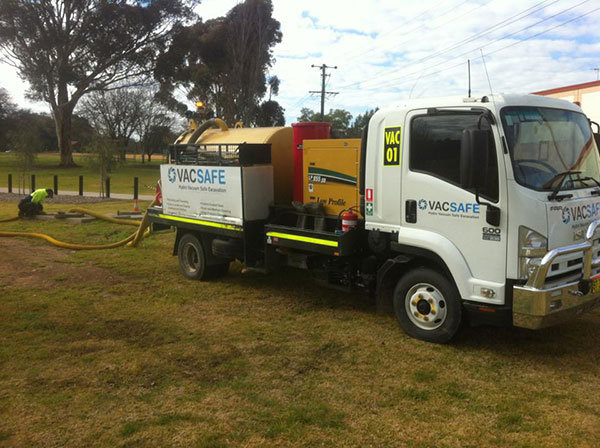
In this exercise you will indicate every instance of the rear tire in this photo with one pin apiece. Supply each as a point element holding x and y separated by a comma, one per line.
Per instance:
<point>192,259</point>
<point>428,306</point>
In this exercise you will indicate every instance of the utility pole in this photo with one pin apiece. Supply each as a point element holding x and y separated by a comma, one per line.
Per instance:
<point>324,76</point>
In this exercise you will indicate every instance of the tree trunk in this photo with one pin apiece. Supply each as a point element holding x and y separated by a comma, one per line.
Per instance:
<point>149,157</point>
<point>62,119</point>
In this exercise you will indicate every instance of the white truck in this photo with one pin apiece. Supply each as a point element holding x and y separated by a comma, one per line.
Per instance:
<point>480,210</point>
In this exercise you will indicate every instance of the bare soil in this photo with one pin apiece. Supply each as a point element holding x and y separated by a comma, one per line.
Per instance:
<point>40,265</point>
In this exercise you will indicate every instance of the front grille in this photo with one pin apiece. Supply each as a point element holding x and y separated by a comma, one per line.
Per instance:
<point>569,268</point>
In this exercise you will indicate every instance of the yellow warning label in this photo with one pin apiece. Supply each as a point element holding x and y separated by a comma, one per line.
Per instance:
<point>392,148</point>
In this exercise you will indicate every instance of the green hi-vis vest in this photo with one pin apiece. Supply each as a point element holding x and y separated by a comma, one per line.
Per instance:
<point>38,196</point>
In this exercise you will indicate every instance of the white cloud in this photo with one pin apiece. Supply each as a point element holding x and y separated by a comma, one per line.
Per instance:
<point>384,48</point>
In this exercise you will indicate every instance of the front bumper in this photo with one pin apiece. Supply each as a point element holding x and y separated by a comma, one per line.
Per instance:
<point>536,306</point>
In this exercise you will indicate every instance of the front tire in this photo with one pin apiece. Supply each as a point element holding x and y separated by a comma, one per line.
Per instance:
<point>428,306</point>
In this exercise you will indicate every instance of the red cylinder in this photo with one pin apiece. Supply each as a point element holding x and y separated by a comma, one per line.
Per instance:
<point>305,131</point>
<point>349,220</point>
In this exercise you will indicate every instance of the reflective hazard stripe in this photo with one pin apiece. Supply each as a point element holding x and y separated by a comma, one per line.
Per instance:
<point>304,239</point>
<point>202,223</point>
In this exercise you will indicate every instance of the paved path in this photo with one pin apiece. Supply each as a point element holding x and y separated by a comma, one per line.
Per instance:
<point>141,197</point>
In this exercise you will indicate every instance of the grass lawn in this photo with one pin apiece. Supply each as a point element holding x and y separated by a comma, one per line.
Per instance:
<point>116,348</point>
<point>46,167</point>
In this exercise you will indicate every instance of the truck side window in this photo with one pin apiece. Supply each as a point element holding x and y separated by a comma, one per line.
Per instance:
<point>435,148</point>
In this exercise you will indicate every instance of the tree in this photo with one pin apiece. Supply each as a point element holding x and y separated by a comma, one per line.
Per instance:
<point>340,122</point>
<point>339,118</point>
<point>66,49</point>
<point>270,113</point>
<point>115,114</point>
<point>154,126</point>
<point>307,114</point>
<point>223,61</point>
<point>104,158</point>
<point>156,139</point>
<point>273,83</point>
<point>7,109</point>
<point>360,123</point>
<point>122,114</point>
<point>25,144</point>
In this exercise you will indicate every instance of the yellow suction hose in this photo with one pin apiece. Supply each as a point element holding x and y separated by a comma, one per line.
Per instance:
<point>133,239</point>
<point>69,245</point>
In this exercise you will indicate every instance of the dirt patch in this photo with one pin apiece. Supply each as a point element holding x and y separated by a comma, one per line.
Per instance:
<point>28,265</point>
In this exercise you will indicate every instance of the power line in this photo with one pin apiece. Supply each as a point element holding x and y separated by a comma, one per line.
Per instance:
<point>512,44</point>
<point>396,27</point>
<point>419,28</point>
<point>389,81</point>
<point>323,92</point>
<point>530,11</point>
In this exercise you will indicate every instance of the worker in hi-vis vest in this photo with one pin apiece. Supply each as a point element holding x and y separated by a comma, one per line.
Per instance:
<point>31,205</point>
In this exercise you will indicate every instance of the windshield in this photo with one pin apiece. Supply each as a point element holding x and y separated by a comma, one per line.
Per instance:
<point>546,143</point>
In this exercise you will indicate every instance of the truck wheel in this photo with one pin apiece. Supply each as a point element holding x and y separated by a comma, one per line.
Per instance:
<point>192,261</point>
<point>427,306</point>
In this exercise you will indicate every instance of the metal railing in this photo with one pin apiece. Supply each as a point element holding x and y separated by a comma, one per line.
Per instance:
<point>220,154</point>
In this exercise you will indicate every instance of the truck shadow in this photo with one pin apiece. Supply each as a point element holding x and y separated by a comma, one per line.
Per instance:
<point>571,346</point>
<point>581,336</point>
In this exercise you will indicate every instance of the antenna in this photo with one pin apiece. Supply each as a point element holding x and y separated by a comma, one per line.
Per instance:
<point>488,78</point>
<point>469,70</point>
<point>597,70</point>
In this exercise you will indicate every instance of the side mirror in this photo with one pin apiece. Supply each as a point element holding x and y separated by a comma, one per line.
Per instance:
<point>596,134</point>
<point>474,152</point>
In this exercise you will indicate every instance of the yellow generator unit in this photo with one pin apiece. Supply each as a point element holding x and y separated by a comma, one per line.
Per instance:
<point>331,170</point>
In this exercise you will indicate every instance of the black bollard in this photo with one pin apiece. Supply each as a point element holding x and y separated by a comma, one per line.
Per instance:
<point>108,187</point>
<point>80,185</point>
<point>55,184</point>
<point>10,183</point>
<point>33,182</point>
<point>135,188</point>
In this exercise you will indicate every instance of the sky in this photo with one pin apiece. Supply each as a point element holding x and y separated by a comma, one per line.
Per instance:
<point>389,50</point>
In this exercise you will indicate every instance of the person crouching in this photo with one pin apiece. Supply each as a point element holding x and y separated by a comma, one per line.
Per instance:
<point>31,205</point>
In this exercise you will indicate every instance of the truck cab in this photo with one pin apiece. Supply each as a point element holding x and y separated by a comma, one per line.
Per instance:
<point>500,193</point>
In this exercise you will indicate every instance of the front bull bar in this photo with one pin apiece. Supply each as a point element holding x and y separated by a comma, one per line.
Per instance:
<point>535,306</point>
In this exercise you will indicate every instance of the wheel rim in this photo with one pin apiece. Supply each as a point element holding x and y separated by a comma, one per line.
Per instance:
<point>425,306</point>
<point>191,258</point>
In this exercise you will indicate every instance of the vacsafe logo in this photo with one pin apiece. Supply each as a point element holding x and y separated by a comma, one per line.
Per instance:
<point>574,213</point>
<point>210,176</point>
<point>172,175</point>
<point>449,207</point>
<point>566,215</point>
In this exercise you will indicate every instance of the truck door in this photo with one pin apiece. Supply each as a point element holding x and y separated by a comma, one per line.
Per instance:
<point>431,177</point>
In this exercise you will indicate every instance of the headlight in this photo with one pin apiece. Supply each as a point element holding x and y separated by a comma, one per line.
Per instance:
<point>532,247</point>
